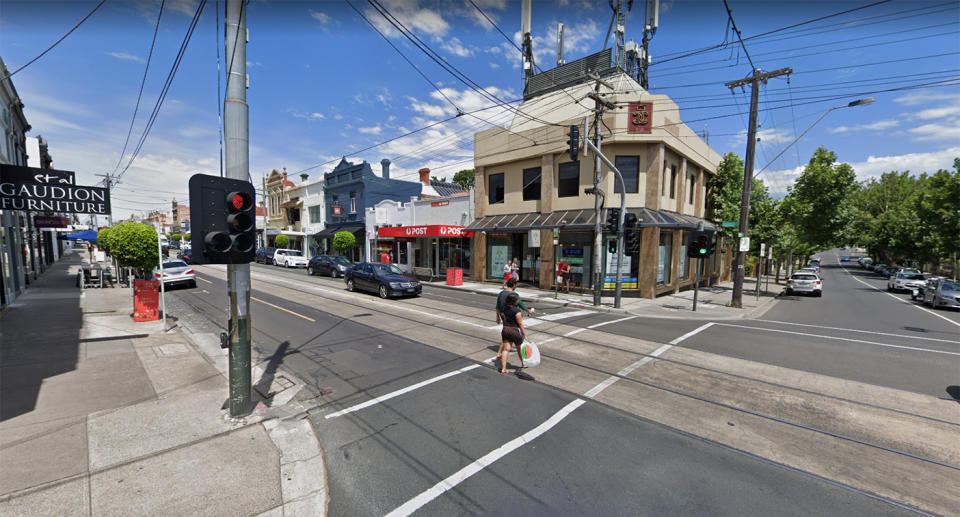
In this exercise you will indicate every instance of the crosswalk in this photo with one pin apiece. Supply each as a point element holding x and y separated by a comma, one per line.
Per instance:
<point>533,321</point>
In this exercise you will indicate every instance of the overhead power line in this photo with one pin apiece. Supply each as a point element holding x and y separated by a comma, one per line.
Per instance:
<point>55,43</point>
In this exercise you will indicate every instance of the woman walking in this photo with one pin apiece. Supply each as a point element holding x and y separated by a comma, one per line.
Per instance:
<point>513,332</point>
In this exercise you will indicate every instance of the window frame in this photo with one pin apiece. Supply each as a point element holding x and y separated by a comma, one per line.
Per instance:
<point>566,167</point>
<point>673,182</point>
<point>491,192</point>
<point>528,186</point>
<point>636,177</point>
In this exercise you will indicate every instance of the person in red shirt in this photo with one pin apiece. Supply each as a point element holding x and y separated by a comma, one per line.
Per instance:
<point>563,272</point>
<point>385,257</point>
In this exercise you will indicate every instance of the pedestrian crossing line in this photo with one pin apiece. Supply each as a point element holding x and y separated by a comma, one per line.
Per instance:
<point>918,349</point>
<point>564,315</point>
<point>488,459</point>
<point>408,389</point>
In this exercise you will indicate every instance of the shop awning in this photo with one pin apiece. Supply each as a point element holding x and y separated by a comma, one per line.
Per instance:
<point>329,232</point>
<point>535,221</point>
<point>430,230</point>
<point>584,219</point>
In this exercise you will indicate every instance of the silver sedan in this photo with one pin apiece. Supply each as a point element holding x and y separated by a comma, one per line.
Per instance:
<point>176,272</point>
<point>943,293</point>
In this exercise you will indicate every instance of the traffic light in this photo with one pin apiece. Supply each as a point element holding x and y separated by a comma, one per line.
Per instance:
<point>613,220</point>
<point>700,244</point>
<point>631,234</point>
<point>223,217</point>
<point>612,246</point>
<point>574,142</point>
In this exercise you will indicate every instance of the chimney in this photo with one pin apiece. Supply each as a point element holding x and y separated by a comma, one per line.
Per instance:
<point>424,176</point>
<point>303,177</point>
<point>385,164</point>
<point>284,174</point>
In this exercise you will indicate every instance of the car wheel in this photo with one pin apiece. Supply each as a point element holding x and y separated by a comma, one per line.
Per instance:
<point>818,294</point>
<point>383,291</point>
<point>275,262</point>
<point>335,274</point>
<point>350,285</point>
<point>789,292</point>
<point>193,283</point>
<point>310,270</point>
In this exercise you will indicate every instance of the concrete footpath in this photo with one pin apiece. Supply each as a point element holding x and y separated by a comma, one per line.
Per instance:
<point>712,302</point>
<point>101,415</point>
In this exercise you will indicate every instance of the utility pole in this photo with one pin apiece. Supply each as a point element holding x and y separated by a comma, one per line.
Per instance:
<point>754,81</point>
<point>109,180</point>
<point>597,204</point>
<point>237,165</point>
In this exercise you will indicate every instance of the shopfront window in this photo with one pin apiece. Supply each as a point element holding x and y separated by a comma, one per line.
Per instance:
<point>499,251</point>
<point>629,167</point>
<point>665,257</point>
<point>568,179</point>
<point>684,261</point>
<point>454,252</point>
<point>576,249</point>
<point>630,267</point>
<point>495,189</point>
<point>531,184</point>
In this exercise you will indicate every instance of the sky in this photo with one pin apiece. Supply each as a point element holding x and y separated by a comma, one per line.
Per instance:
<point>332,79</point>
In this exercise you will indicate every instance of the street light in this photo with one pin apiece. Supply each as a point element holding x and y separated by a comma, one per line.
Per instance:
<point>858,102</point>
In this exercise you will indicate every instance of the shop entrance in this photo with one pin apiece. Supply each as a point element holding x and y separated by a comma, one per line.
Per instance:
<point>529,256</point>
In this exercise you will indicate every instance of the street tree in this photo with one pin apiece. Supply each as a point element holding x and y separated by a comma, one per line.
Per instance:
<point>344,241</point>
<point>135,245</point>
<point>465,178</point>
<point>281,241</point>
<point>820,206</point>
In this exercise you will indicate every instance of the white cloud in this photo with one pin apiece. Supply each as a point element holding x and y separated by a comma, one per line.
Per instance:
<point>338,116</point>
<point>408,13</point>
<point>321,17</point>
<point>251,64</point>
<point>455,47</point>
<point>126,57</point>
<point>913,99</point>
<point>187,7</point>
<point>373,130</point>
<point>308,116</point>
<point>939,112</point>
<point>879,125</point>
<point>949,131</point>
<point>494,65</point>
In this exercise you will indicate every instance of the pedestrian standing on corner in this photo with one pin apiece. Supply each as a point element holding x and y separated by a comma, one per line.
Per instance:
<point>513,332</point>
<point>507,273</point>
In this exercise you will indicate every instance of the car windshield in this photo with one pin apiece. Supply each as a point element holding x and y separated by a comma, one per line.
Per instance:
<point>292,253</point>
<point>804,277</point>
<point>175,263</point>
<point>950,286</point>
<point>387,269</point>
<point>340,260</point>
<point>911,276</point>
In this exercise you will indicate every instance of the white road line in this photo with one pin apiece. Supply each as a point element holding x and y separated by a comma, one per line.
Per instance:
<point>859,331</point>
<point>565,315</point>
<point>895,297</point>
<point>399,392</point>
<point>527,322</point>
<point>842,339</point>
<point>595,325</point>
<point>692,333</point>
<point>488,459</point>
<point>593,392</point>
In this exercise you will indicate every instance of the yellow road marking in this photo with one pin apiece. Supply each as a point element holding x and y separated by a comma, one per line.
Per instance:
<point>204,280</point>
<point>282,309</point>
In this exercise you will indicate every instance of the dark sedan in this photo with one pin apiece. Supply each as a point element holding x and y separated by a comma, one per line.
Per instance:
<point>327,265</point>
<point>384,279</point>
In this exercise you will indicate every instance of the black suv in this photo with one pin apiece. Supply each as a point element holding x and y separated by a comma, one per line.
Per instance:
<point>264,255</point>
<point>327,265</point>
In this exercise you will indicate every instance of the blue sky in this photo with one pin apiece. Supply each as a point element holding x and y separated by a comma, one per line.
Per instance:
<point>324,84</point>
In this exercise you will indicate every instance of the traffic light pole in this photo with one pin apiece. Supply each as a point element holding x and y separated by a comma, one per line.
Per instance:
<point>623,214</point>
<point>236,162</point>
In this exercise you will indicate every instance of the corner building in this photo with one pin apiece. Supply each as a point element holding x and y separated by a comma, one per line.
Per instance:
<point>530,195</point>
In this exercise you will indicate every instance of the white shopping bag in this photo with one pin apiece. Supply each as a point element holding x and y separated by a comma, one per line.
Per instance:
<point>530,354</point>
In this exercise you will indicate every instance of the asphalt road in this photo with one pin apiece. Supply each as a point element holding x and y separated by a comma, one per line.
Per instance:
<point>439,432</point>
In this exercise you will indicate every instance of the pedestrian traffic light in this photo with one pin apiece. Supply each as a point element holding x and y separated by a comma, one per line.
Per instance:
<point>573,141</point>
<point>612,246</point>
<point>223,218</point>
<point>631,234</point>
<point>613,220</point>
<point>700,244</point>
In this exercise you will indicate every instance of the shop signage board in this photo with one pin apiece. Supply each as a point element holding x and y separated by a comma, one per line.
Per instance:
<point>54,193</point>
<point>730,224</point>
<point>533,238</point>
<point>640,117</point>
<point>47,221</point>
<point>745,244</point>
<point>445,202</point>
<point>431,230</point>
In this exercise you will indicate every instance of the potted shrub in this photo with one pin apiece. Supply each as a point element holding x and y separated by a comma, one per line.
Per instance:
<point>344,241</point>
<point>281,241</point>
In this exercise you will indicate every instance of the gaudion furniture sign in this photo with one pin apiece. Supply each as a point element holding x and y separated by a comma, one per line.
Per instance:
<point>43,190</point>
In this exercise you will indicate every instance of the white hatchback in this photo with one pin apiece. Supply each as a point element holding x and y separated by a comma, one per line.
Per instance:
<point>289,258</point>
<point>805,282</point>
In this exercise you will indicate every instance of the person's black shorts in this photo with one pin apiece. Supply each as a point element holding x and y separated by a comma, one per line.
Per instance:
<point>511,335</point>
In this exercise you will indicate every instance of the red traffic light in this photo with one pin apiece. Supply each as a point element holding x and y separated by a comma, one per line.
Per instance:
<point>240,200</point>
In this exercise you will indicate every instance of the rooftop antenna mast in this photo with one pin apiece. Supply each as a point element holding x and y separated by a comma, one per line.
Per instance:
<point>528,64</point>
<point>619,18</point>
<point>651,20</point>
<point>559,44</point>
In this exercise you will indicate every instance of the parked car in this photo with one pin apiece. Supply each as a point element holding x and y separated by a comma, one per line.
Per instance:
<point>810,270</point>
<point>942,293</point>
<point>905,280</point>
<point>877,267</point>
<point>865,262</point>
<point>916,293</point>
<point>174,244</point>
<point>328,265</point>
<point>264,255</point>
<point>289,258</point>
<point>185,254</point>
<point>176,272</point>
<point>384,279</point>
<point>805,282</point>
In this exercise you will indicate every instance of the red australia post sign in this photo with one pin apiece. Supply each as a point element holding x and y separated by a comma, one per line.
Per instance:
<point>640,117</point>
<point>431,230</point>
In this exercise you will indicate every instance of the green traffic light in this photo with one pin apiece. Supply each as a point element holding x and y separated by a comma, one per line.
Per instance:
<point>703,251</point>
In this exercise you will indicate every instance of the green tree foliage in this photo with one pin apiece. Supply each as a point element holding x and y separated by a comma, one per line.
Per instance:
<point>135,245</point>
<point>727,187</point>
<point>103,240</point>
<point>344,241</point>
<point>465,178</point>
<point>820,202</point>
<point>443,179</point>
<point>281,241</point>
<point>177,237</point>
<point>186,236</point>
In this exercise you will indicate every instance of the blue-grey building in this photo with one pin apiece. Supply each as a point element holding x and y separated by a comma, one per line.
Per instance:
<point>349,189</point>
